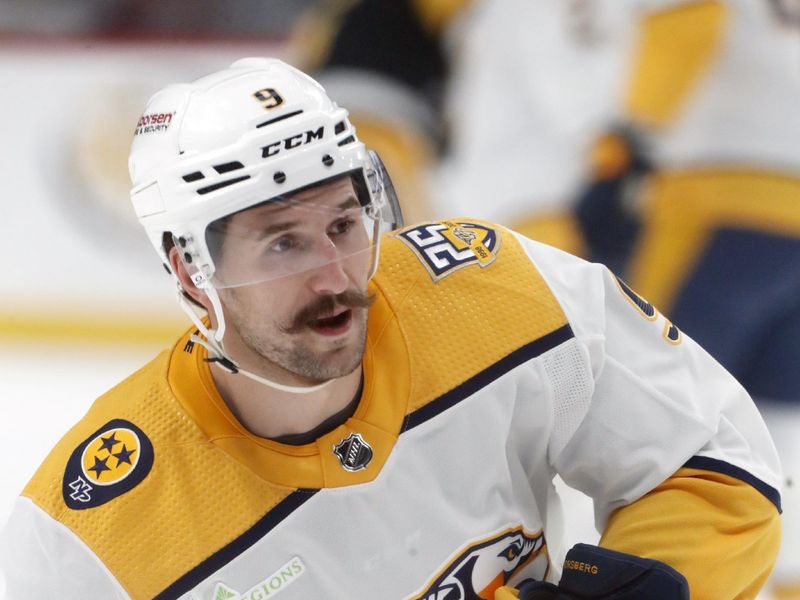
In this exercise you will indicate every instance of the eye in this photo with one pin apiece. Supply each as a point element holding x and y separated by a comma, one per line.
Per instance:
<point>511,552</point>
<point>283,244</point>
<point>342,226</point>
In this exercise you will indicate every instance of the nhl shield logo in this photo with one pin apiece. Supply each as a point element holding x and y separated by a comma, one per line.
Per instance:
<point>353,452</point>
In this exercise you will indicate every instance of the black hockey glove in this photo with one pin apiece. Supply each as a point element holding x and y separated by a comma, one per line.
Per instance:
<point>594,573</point>
<point>605,208</point>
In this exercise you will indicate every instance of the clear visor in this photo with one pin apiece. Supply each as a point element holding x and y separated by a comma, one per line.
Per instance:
<point>334,224</point>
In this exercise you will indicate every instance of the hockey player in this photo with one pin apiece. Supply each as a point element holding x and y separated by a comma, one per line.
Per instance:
<point>336,426</point>
<point>484,106</point>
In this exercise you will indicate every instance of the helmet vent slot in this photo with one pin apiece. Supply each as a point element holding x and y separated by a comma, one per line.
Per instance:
<point>221,184</point>
<point>228,167</point>
<point>281,118</point>
<point>348,140</point>
<point>196,176</point>
<point>340,127</point>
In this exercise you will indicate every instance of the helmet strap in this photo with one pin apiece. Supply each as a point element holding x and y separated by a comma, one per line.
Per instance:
<point>217,353</point>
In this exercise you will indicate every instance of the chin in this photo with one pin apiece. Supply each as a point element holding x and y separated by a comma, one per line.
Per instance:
<point>340,366</point>
<point>319,364</point>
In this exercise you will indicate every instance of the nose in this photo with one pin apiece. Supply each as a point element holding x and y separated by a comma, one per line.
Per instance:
<point>329,277</point>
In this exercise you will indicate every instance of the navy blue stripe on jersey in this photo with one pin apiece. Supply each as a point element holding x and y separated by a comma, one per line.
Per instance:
<point>228,553</point>
<point>720,466</point>
<point>488,375</point>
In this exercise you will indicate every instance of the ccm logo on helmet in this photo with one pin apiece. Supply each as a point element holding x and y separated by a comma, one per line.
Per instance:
<point>293,141</point>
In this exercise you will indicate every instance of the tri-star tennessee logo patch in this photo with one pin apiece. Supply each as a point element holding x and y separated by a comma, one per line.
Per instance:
<point>448,246</point>
<point>110,462</point>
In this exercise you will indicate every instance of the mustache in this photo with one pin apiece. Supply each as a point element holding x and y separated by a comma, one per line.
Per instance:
<point>325,305</point>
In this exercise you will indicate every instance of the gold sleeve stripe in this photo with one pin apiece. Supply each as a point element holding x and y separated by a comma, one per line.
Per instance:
<point>721,533</point>
<point>676,46</point>
<point>228,553</point>
<point>720,466</point>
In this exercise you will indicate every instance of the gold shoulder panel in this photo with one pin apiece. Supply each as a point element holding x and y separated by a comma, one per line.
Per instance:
<point>119,402</point>
<point>193,500</point>
<point>465,296</point>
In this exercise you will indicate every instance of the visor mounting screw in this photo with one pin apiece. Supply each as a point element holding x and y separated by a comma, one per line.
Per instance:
<point>327,160</point>
<point>187,258</point>
<point>279,177</point>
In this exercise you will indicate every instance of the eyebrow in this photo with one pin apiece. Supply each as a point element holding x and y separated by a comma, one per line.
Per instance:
<point>350,202</point>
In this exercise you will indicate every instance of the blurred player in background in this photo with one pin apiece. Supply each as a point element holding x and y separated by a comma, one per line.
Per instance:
<point>389,67</point>
<point>504,95</point>
<point>711,112</point>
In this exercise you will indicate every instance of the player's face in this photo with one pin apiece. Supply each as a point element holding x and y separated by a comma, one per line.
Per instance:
<point>313,322</point>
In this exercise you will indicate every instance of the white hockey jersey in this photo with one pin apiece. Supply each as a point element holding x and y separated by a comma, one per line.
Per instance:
<point>492,363</point>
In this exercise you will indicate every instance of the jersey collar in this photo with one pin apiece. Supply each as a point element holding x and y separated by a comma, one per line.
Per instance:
<point>377,419</point>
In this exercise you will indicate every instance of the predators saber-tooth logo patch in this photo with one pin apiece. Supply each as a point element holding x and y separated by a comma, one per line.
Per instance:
<point>110,462</point>
<point>483,566</point>
<point>448,246</point>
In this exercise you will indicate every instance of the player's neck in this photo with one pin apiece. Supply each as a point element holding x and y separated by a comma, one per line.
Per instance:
<point>272,413</point>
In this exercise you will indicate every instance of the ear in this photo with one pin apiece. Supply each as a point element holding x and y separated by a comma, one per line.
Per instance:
<point>179,269</point>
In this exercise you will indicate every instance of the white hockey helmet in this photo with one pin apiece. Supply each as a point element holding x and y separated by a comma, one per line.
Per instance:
<point>242,137</point>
